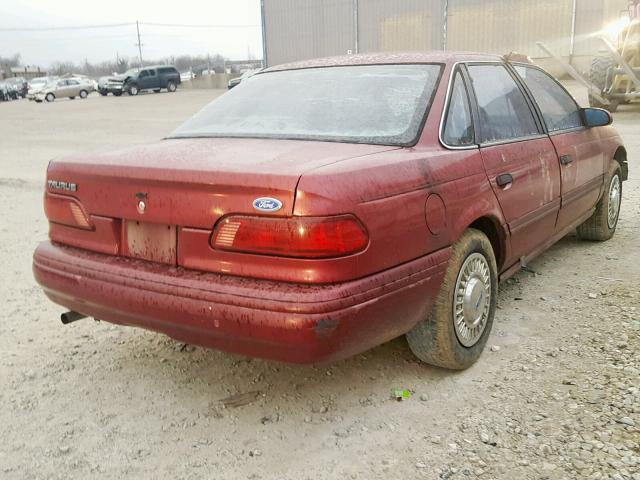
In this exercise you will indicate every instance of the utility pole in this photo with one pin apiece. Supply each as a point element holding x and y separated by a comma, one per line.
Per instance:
<point>139,44</point>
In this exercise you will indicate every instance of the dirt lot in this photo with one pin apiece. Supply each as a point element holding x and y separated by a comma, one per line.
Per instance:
<point>556,396</point>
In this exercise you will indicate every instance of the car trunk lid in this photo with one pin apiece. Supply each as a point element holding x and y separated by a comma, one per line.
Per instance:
<point>189,183</point>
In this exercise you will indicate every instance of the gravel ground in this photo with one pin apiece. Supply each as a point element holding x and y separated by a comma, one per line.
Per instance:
<point>556,395</point>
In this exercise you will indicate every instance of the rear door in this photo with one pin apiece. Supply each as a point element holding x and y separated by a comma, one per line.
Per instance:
<point>519,159</point>
<point>578,148</point>
<point>73,88</point>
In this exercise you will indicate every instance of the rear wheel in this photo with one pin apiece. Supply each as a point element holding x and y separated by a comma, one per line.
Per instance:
<point>83,94</point>
<point>600,65</point>
<point>456,331</point>
<point>171,87</point>
<point>602,224</point>
<point>50,97</point>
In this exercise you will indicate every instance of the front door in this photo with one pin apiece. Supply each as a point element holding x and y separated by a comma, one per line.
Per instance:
<point>520,161</point>
<point>143,79</point>
<point>578,148</point>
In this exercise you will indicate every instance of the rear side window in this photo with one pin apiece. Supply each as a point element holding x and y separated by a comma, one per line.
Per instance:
<point>559,110</point>
<point>458,127</point>
<point>167,70</point>
<point>502,108</point>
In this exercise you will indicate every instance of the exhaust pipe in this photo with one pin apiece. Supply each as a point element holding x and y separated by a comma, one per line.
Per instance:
<point>71,316</point>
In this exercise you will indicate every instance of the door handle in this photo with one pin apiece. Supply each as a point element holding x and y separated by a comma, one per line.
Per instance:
<point>565,159</point>
<point>504,179</point>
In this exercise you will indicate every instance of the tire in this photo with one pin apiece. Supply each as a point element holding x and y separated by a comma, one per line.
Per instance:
<point>133,90</point>
<point>117,94</point>
<point>50,97</point>
<point>104,94</point>
<point>171,87</point>
<point>598,76</point>
<point>436,340</point>
<point>156,90</point>
<point>602,224</point>
<point>84,94</point>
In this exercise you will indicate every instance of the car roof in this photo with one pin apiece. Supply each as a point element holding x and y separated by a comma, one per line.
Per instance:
<point>387,58</point>
<point>156,67</point>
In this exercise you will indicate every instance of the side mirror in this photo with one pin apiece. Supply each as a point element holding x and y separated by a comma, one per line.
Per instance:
<point>595,117</point>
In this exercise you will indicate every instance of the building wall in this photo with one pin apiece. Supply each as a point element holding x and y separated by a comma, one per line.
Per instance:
<point>498,26</point>
<point>302,29</point>
<point>399,25</point>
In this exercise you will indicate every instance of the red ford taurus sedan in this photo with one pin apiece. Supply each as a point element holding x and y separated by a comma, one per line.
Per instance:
<point>325,207</point>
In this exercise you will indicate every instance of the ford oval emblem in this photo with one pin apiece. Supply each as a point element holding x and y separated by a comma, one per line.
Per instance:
<point>267,204</point>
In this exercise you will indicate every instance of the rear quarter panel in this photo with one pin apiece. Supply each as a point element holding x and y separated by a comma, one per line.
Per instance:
<point>389,191</point>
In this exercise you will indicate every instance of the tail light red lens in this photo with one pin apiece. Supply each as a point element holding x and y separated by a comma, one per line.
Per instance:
<point>66,211</point>
<point>302,237</point>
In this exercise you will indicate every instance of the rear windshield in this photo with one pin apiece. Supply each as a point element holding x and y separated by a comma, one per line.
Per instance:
<point>378,104</point>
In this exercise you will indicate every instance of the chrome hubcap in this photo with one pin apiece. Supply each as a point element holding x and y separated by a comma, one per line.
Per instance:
<point>472,299</point>
<point>614,201</point>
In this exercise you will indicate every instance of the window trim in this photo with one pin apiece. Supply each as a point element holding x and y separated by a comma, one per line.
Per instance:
<point>535,102</point>
<point>532,107</point>
<point>458,67</point>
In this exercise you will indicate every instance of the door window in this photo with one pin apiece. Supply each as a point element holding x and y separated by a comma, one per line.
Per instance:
<point>502,108</point>
<point>458,129</point>
<point>559,110</point>
<point>144,73</point>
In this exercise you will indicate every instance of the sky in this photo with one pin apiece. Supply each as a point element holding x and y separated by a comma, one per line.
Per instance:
<point>240,38</point>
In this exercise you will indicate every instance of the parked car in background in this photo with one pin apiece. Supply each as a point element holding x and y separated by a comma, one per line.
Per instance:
<point>82,79</point>
<point>136,80</point>
<point>186,76</point>
<point>114,84</point>
<point>4,91</point>
<point>64,88</point>
<point>236,81</point>
<point>331,205</point>
<point>152,78</point>
<point>8,91</point>
<point>19,85</point>
<point>36,84</point>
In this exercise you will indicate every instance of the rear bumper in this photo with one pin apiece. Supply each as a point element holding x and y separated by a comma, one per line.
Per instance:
<point>275,320</point>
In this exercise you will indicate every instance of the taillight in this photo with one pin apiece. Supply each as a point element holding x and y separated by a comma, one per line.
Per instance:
<point>303,237</point>
<point>66,211</point>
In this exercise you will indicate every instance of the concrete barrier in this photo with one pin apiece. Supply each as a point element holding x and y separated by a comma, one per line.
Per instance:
<point>209,81</point>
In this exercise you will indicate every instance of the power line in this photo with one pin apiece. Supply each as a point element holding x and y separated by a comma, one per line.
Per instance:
<point>118,25</point>
<point>75,27</point>
<point>183,25</point>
